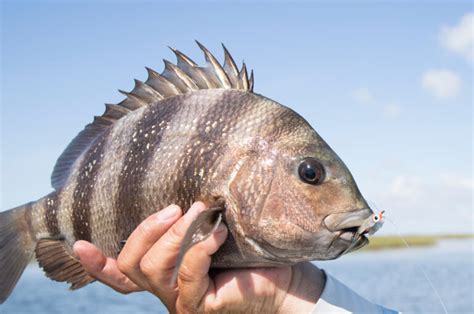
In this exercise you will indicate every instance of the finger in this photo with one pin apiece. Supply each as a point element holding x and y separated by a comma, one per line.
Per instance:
<point>193,279</point>
<point>159,262</point>
<point>141,239</point>
<point>103,268</point>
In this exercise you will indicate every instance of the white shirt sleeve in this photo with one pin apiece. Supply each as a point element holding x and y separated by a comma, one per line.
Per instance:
<point>338,298</point>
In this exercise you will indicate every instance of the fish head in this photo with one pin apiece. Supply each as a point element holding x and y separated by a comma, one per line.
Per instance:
<point>296,199</point>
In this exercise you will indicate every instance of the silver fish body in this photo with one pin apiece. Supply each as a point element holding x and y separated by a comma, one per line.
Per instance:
<point>190,134</point>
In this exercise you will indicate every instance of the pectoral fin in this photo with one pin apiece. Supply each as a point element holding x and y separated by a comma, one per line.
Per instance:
<point>201,228</point>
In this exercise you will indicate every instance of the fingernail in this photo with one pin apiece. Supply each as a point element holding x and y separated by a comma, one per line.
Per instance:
<point>168,213</point>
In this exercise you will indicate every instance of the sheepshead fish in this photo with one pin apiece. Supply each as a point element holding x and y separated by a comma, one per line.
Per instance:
<point>190,134</point>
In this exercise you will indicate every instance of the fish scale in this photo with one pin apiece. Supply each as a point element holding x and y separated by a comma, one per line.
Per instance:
<point>85,187</point>
<point>128,200</point>
<point>190,134</point>
<point>102,201</point>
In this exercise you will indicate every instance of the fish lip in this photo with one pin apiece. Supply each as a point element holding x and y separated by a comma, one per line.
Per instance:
<point>357,243</point>
<point>347,221</point>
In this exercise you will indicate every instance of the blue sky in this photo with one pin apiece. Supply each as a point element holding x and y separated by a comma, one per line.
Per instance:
<point>387,84</point>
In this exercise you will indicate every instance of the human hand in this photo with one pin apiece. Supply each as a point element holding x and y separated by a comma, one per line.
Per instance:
<point>148,259</point>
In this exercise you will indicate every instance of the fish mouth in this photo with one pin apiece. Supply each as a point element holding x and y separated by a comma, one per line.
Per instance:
<point>347,221</point>
<point>350,240</point>
<point>345,227</point>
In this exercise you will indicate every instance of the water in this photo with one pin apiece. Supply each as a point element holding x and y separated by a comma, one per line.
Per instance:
<point>394,279</point>
<point>391,278</point>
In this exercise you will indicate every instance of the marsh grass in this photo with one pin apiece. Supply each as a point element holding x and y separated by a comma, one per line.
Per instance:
<point>393,242</point>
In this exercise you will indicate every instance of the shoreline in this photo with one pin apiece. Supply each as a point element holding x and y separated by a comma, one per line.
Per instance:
<point>395,242</point>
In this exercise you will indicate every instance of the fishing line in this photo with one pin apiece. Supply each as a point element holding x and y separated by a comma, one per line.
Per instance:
<point>397,229</point>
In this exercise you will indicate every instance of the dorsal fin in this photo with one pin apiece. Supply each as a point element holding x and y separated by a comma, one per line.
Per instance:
<point>184,77</point>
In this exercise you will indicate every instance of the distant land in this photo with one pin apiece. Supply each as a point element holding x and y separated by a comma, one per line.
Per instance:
<point>394,241</point>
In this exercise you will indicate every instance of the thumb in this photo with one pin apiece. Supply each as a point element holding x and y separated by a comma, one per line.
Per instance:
<point>193,279</point>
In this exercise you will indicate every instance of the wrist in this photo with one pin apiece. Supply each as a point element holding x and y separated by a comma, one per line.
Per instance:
<point>306,286</point>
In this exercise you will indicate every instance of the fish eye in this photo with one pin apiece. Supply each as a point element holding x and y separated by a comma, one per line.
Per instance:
<point>311,171</point>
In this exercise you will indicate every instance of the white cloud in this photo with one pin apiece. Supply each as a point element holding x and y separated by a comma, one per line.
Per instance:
<point>441,83</point>
<point>363,96</point>
<point>392,110</point>
<point>460,38</point>
<point>405,187</point>
<point>458,182</point>
<point>438,204</point>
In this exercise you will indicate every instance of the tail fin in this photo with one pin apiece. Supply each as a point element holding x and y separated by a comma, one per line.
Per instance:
<point>16,247</point>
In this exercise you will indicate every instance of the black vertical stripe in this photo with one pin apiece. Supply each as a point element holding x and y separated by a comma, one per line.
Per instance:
<point>51,214</point>
<point>225,113</point>
<point>145,139</point>
<point>84,190</point>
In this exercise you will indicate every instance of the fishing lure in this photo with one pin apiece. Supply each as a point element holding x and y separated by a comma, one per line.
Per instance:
<point>372,224</point>
<point>369,226</point>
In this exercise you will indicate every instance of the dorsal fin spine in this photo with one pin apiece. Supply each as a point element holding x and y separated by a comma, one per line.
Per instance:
<point>183,59</point>
<point>188,66</point>
<point>132,101</point>
<point>145,92</point>
<point>186,76</point>
<point>161,84</point>
<point>243,77</point>
<point>180,79</point>
<point>251,81</point>
<point>218,70</point>
<point>230,68</point>
<point>114,111</point>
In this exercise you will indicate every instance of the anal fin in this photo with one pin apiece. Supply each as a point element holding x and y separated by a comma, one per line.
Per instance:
<point>58,263</point>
